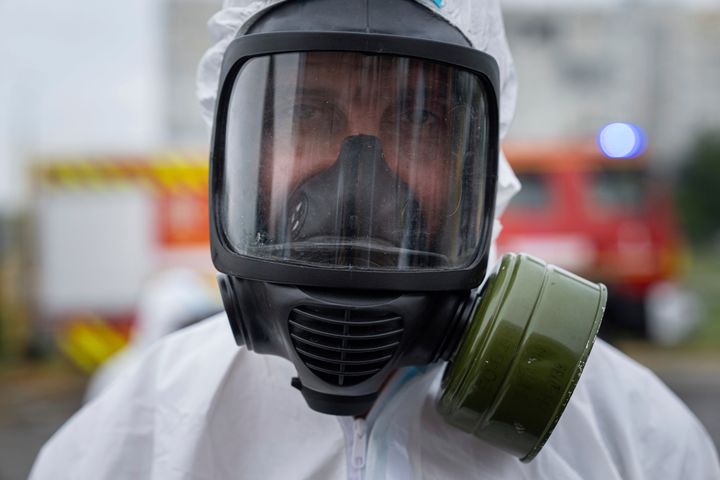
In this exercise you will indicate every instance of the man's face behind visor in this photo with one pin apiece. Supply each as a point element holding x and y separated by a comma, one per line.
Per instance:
<point>354,160</point>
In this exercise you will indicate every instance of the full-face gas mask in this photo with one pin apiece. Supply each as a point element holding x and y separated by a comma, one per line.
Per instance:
<point>353,178</point>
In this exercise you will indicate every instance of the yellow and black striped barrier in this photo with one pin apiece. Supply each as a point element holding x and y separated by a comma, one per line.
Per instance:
<point>88,340</point>
<point>167,173</point>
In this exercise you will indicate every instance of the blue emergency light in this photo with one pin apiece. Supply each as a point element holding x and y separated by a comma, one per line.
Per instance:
<point>621,140</point>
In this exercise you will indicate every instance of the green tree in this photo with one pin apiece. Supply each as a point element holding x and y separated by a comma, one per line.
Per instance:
<point>698,190</point>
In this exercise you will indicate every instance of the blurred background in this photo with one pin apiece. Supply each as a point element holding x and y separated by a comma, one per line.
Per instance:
<point>103,188</point>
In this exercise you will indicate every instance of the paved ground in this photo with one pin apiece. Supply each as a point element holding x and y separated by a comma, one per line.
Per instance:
<point>693,375</point>
<point>36,400</point>
<point>702,394</point>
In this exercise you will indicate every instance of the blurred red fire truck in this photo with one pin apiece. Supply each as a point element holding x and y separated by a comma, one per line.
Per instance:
<point>607,219</point>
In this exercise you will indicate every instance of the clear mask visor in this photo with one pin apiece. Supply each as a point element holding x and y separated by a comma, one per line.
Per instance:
<point>348,160</point>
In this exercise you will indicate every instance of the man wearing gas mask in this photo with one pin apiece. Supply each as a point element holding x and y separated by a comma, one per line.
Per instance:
<point>355,179</point>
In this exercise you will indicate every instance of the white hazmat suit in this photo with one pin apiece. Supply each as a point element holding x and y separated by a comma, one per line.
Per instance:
<point>170,300</point>
<point>199,407</point>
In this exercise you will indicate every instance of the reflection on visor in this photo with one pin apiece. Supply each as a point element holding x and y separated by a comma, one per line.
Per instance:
<point>351,254</point>
<point>354,160</point>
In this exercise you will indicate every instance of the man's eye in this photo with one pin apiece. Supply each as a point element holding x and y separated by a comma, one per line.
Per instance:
<point>317,117</point>
<point>420,116</point>
<point>307,112</point>
<point>317,114</point>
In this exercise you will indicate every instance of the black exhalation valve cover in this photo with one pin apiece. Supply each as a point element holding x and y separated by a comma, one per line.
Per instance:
<point>343,344</point>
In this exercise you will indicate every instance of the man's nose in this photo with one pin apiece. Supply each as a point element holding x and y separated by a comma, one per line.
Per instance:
<point>364,119</point>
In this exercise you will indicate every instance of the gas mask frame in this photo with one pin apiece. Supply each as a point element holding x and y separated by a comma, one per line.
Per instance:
<point>247,47</point>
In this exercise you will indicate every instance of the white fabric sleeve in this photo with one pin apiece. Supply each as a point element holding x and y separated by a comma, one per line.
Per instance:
<point>621,414</point>
<point>122,434</point>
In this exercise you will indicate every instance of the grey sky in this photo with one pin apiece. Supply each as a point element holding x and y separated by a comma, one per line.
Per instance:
<point>77,76</point>
<point>80,75</point>
<point>580,4</point>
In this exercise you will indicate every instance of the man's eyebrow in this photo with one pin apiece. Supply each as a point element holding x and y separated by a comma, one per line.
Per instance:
<point>432,94</point>
<point>437,94</point>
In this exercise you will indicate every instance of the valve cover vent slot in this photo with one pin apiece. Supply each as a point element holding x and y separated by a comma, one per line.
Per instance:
<point>342,346</point>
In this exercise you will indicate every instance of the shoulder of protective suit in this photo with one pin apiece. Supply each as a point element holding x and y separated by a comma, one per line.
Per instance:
<point>623,414</point>
<point>156,417</point>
